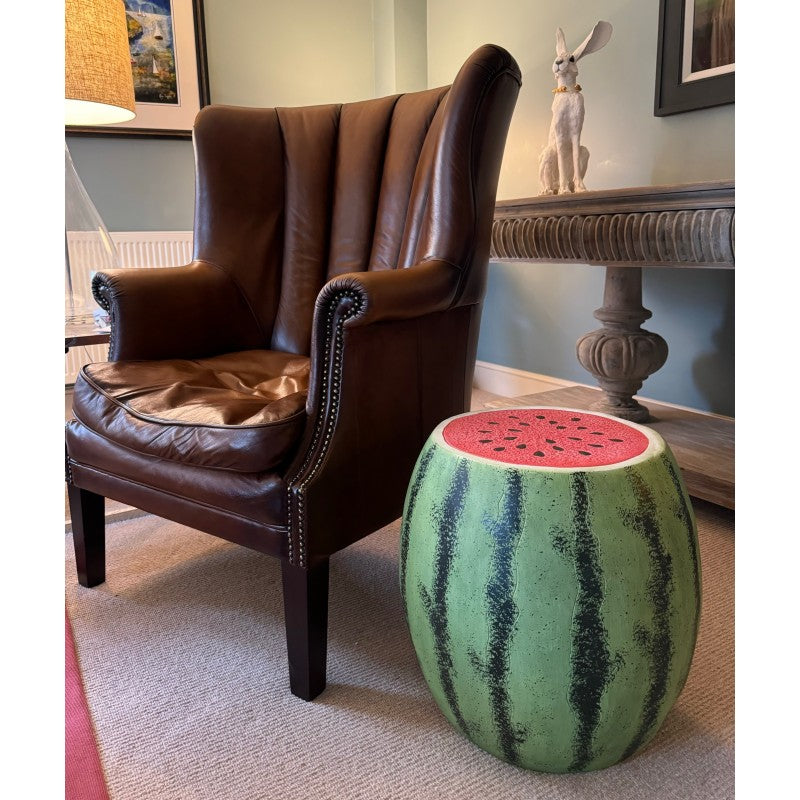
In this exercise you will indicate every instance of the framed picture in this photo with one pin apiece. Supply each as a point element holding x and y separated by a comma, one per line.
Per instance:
<point>170,71</point>
<point>696,59</point>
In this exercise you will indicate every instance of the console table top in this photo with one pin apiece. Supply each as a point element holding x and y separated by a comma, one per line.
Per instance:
<point>672,197</point>
<point>683,225</point>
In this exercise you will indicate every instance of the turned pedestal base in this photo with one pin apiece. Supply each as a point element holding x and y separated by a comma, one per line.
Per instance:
<point>621,354</point>
<point>623,230</point>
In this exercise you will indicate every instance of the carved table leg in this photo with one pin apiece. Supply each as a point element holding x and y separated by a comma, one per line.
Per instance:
<point>621,355</point>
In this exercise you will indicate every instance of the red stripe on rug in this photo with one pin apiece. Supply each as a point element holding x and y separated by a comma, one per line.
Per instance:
<point>83,771</point>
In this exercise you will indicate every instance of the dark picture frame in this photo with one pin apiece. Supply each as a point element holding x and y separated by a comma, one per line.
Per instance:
<point>673,94</point>
<point>163,122</point>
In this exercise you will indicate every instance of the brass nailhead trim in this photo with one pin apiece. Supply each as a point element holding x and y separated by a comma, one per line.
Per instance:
<point>326,424</point>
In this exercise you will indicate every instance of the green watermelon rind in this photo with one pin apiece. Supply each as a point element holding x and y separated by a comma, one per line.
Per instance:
<point>511,676</point>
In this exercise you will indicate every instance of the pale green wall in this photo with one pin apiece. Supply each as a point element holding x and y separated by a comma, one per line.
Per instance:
<point>301,52</point>
<point>260,53</point>
<point>534,313</point>
<point>384,48</point>
<point>315,51</point>
<point>138,185</point>
<point>629,146</point>
<point>411,56</point>
<point>400,46</point>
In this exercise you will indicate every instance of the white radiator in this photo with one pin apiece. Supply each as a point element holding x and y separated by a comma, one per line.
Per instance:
<point>136,249</point>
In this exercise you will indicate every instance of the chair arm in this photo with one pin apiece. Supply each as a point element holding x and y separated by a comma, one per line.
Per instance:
<point>191,311</point>
<point>373,391</point>
<point>393,294</point>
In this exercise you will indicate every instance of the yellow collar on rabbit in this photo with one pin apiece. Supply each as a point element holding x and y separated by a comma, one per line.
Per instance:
<point>560,89</point>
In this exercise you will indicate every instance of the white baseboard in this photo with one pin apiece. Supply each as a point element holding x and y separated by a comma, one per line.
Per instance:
<point>511,382</point>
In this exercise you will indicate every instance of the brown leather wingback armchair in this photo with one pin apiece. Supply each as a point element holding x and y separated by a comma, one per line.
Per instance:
<point>276,391</point>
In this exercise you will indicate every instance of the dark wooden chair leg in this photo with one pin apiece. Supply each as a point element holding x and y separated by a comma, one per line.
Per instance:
<point>305,602</point>
<point>87,511</point>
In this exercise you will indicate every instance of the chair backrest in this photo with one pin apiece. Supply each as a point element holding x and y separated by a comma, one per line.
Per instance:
<point>288,198</point>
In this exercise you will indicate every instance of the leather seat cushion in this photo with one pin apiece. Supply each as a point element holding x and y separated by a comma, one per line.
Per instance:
<point>239,411</point>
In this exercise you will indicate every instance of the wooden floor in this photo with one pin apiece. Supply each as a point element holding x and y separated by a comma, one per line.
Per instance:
<point>703,444</point>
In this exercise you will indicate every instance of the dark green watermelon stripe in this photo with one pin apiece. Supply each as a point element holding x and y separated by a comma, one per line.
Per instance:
<point>591,661</point>
<point>422,469</point>
<point>502,611</point>
<point>686,517</point>
<point>656,644</point>
<point>446,520</point>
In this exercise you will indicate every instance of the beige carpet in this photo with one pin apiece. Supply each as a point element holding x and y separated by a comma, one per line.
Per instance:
<point>184,660</point>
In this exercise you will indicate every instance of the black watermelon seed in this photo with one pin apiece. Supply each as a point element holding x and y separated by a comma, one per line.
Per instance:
<point>509,438</point>
<point>584,453</point>
<point>556,447</point>
<point>595,445</point>
<point>526,424</point>
<point>552,421</point>
<point>574,419</point>
<point>615,440</point>
<point>512,416</point>
<point>540,416</point>
<point>560,427</point>
<point>581,427</point>
<point>574,438</point>
<point>499,449</point>
<point>539,453</point>
<point>550,441</point>
<point>514,430</point>
<point>597,433</point>
<point>521,446</point>
<point>484,441</point>
<point>493,423</point>
<point>484,431</point>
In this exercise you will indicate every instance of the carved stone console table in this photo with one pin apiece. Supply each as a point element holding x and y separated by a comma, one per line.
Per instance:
<point>622,230</point>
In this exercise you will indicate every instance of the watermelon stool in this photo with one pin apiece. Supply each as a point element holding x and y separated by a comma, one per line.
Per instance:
<point>551,579</point>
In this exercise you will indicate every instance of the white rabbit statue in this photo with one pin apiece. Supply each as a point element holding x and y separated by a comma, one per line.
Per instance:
<point>563,162</point>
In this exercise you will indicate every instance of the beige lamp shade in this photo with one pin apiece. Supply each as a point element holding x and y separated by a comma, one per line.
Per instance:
<point>98,87</point>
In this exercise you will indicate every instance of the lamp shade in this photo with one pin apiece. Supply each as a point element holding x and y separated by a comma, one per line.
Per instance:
<point>98,87</point>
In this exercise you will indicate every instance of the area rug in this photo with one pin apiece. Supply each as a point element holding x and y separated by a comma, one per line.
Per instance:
<point>83,773</point>
<point>184,662</point>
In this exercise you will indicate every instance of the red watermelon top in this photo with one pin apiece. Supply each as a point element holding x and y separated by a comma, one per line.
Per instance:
<point>546,437</point>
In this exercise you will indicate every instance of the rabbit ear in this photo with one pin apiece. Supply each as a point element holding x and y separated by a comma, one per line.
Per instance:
<point>596,40</point>
<point>561,42</point>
